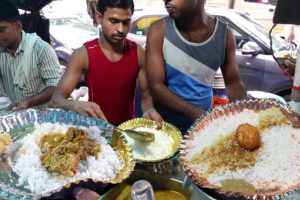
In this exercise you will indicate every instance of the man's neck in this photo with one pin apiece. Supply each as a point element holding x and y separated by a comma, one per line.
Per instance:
<point>114,52</point>
<point>107,46</point>
<point>13,48</point>
<point>192,22</point>
<point>198,29</point>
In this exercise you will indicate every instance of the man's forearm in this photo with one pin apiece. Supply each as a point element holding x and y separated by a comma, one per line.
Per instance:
<point>236,91</point>
<point>146,101</point>
<point>40,98</point>
<point>166,97</point>
<point>59,101</point>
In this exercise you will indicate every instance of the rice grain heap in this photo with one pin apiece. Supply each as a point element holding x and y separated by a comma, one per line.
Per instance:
<point>212,157</point>
<point>35,177</point>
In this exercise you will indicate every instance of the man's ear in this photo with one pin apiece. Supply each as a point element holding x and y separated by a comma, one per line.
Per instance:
<point>98,17</point>
<point>19,25</point>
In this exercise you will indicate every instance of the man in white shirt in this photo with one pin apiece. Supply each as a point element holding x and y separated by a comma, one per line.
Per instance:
<point>29,67</point>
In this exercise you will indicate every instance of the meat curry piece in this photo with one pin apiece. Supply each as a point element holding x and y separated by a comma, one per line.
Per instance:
<point>62,153</point>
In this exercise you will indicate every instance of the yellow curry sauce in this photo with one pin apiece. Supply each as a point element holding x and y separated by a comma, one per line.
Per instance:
<point>238,185</point>
<point>158,194</point>
<point>62,152</point>
<point>226,153</point>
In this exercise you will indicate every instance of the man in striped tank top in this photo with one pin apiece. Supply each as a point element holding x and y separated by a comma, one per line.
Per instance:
<point>29,67</point>
<point>111,64</point>
<point>184,50</point>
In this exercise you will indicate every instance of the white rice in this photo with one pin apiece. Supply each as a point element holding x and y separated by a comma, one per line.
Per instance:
<point>222,126</point>
<point>158,149</point>
<point>35,176</point>
<point>277,166</point>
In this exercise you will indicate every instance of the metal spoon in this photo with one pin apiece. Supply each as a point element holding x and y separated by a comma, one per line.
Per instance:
<point>138,135</point>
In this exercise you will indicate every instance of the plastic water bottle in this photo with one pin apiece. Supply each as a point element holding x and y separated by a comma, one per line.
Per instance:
<point>142,190</point>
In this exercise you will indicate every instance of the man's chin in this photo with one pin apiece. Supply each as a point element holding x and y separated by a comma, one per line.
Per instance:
<point>117,41</point>
<point>173,15</point>
<point>3,44</point>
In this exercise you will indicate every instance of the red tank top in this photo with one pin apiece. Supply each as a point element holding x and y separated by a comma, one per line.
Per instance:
<point>112,84</point>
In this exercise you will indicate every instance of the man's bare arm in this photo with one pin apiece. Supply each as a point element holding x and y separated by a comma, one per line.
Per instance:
<point>146,98</point>
<point>147,106</point>
<point>77,65</point>
<point>230,71</point>
<point>156,74</point>
<point>38,99</point>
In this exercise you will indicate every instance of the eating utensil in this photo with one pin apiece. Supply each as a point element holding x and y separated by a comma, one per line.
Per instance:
<point>143,136</point>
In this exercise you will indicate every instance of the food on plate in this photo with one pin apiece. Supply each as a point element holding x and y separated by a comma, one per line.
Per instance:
<point>238,185</point>
<point>5,142</point>
<point>271,117</point>
<point>225,153</point>
<point>159,148</point>
<point>286,55</point>
<point>248,136</point>
<point>62,152</point>
<point>213,157</point>
<point>290,56</point>
<point>34,161</point>
<point>164,145</point>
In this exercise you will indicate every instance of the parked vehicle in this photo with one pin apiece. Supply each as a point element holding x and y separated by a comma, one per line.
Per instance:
<point>257,67</point>
<point>63,52</point>
<point>262,11</point>
<point>68,33</point>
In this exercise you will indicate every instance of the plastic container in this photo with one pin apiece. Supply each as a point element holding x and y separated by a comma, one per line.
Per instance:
<point>142,190</point>
<point>219,90</point>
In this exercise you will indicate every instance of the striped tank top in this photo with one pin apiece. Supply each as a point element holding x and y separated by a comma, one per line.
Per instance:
<point>190,68</point>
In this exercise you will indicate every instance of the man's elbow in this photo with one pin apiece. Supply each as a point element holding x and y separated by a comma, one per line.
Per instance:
<point>55,99</point>
<point>52,102</point>
<point>155,88</point>
<point>152,88</point>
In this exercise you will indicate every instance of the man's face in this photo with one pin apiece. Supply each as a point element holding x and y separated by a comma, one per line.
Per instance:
<point>178,8</point>
<point>115,24</point>
<point>9,33</point>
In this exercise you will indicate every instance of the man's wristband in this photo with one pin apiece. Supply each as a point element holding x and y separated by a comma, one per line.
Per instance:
<point>147,111</point>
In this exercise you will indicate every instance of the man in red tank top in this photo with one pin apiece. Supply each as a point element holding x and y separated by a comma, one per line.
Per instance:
<point>111,64</point>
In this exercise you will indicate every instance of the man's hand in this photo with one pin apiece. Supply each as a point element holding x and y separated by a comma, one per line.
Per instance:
<point>19,105</point>
<point>295,119</point>
<point>290,67</point>
<point>84,194</point>
<point>152,114</point>
<point>89,109</point>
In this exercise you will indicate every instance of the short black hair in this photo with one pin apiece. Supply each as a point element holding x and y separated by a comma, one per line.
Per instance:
<point>104,4</point>
<point>9,11</point>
